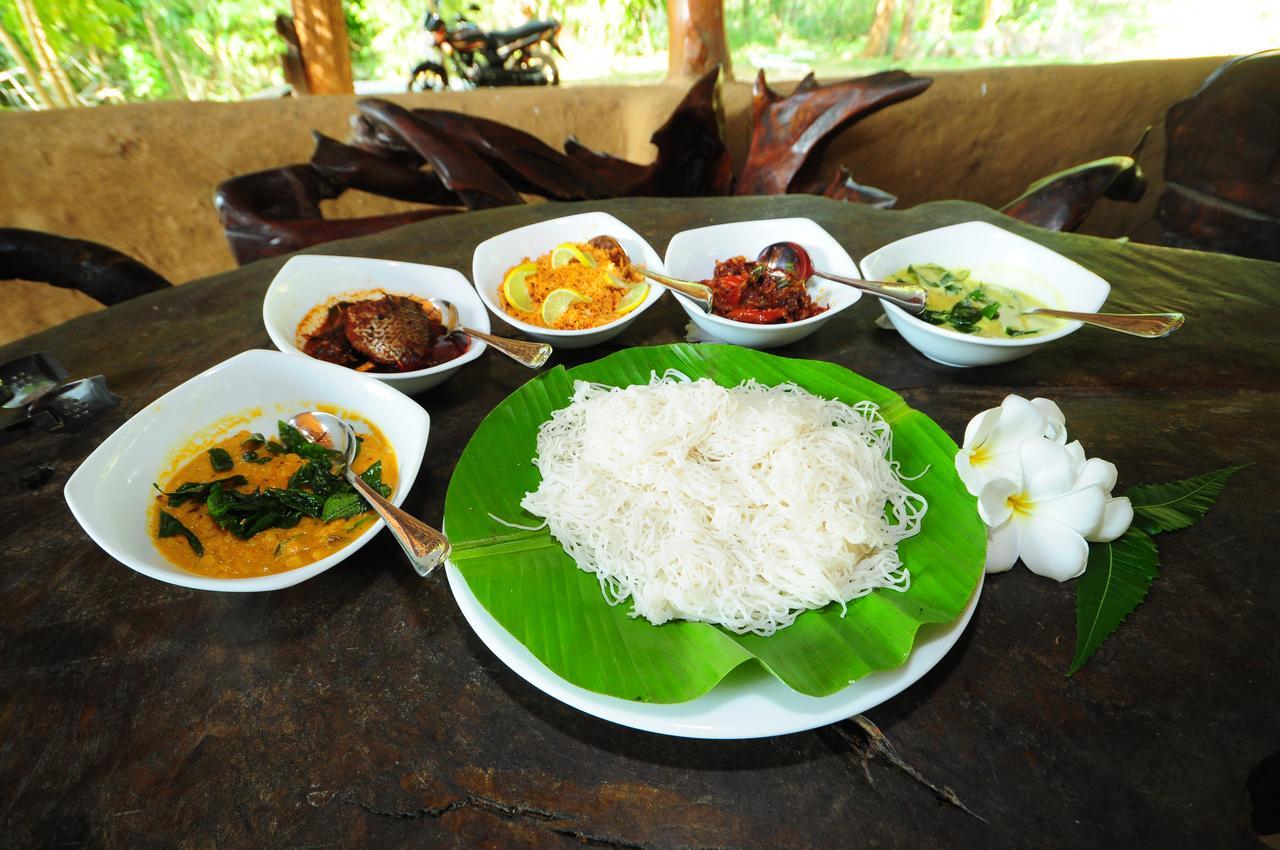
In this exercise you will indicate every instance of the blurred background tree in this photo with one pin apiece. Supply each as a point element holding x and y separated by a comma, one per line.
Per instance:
<point>84,52</point>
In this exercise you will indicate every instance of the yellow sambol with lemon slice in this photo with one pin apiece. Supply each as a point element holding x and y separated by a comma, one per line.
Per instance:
<point>572,287</point>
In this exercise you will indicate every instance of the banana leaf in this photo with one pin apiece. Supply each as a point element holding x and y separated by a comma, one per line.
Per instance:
<point>530,586</point>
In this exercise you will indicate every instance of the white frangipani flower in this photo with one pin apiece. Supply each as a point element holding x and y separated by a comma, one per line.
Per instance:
<point>1044,514</point>
<point>1117,513</point>
<point>992,438</point>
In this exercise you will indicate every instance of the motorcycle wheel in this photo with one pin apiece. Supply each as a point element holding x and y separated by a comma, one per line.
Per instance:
<point>540,58</point>
<point>428,77</point>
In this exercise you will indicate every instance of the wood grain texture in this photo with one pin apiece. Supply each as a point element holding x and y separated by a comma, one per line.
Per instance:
<point>358,709</point>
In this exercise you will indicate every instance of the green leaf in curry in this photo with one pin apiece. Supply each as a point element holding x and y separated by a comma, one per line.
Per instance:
<point>220,460</point>
<point>198,491</point>
<point>535,590</point>
<point>171,525</point>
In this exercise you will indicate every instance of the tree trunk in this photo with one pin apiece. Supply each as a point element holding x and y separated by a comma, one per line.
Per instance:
<point>940,16</point>
<point>33,74</point>
<point>696,41</point>
<point>44,55</point>
<point>903,43</point>
<point>878,35</point>
<point>326,49</point>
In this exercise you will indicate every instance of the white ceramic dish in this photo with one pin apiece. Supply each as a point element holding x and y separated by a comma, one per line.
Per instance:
<point>308,280</point>
<point>692,255</point>
<point>996,256</point>
<point>748,703</point>
<point>494,256</point>
<point>110,493</point>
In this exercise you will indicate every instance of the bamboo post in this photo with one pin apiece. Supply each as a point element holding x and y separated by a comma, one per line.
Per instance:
<point>326,50</point>
<point>696,40</point>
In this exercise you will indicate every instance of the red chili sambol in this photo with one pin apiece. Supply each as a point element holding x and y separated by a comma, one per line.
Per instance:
<point>745,292</point>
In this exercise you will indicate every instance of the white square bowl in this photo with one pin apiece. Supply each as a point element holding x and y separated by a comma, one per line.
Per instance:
<point>110,493</point>
<point>308,280</point>
<point>991,255</point>
<point>692,255</point>
<point>494,256</point>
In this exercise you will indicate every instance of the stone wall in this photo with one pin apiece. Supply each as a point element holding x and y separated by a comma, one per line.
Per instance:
<point>140,177</point>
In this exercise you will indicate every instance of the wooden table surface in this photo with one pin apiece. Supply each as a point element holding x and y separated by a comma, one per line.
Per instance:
<point>359,709</point>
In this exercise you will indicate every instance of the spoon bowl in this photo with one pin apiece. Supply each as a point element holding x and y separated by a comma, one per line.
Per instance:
<point>787,262</point>
<point>699,293</point>
<point>425,547</point>
<point>531,354</point>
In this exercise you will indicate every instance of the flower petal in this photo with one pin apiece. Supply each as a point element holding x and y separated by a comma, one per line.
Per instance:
<point>1002,547</point>
<point>1098,471</point>
<point>1051,549</point>
<point>993,501</point>
<point>1117,516</point>
<point>1019,420</point>
<point>1079,510</point>
<point>974,477</point>
<point>980,427</point>
<point>1055,422</point>
<point>1076,451</point>
<point>1046,468</point>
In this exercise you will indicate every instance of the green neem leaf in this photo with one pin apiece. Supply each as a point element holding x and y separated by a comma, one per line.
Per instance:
<point>221,460</point>
<point>1115,580</point>
<point>171,525</point>
<point>1178,504</point>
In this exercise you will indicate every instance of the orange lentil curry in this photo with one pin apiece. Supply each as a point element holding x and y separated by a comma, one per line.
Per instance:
<point>262,466</point>
<point>608,289</point>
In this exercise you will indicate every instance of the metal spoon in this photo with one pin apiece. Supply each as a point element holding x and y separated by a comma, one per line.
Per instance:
<point>1149,325</point>
<point>425,547</point>
<point>699,293</point>
<point>531,354</point>
<point>789,261</point>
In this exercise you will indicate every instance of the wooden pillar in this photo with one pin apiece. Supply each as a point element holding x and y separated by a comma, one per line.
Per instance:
<point>326,50</point>
<point>696,40</point>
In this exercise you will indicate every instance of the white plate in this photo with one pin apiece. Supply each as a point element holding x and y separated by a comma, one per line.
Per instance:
<point>110,493</point>
<point>494,256</point>
<point>692,255</point>
<point>309,280</point>
<point>749,703</point>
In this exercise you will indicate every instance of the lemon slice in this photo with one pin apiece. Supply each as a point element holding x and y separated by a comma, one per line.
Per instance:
<point>558,302</point>
<point>563,255</point>
<point>516,287</point>
<point>614,279</point>
<point>633,298</point>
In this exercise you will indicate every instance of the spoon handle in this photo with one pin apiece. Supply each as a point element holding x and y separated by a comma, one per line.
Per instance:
<point>908,296</point>
<point>1149,325</point>
<point>531,354</point>
<point>425,547</point>
<point>700,293</point>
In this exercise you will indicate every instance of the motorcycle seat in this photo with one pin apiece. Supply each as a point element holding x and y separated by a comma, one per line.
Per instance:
<point>525,29</point>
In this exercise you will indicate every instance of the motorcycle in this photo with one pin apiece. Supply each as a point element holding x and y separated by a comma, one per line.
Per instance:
<point>468,57</point>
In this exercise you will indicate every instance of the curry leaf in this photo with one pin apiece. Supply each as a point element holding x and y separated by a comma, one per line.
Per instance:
<point>171,525</point>
<point>198,491</point>
<point>220,459</point>
<point>1178,504</point>
<point>293,441</point>
<point>1115,580</point>
<point>373,477</point>
<point>343,505</point>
